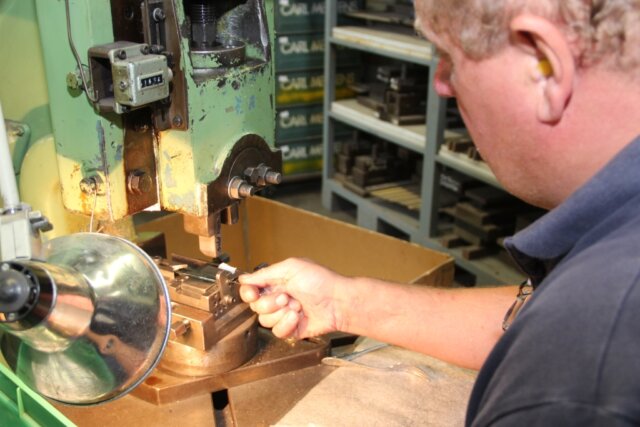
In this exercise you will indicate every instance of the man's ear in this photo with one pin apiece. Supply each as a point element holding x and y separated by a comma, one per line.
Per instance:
<point>555,67</point>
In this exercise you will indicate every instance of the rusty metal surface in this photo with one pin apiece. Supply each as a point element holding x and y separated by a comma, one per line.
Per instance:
<point>139,161</point>
<point>274,357</point>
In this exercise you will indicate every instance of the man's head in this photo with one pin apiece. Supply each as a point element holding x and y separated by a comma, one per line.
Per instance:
<point>601,30</point>
<point>548,88</point>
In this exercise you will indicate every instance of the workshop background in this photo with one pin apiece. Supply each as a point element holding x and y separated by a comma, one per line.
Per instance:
<point>364,140</point>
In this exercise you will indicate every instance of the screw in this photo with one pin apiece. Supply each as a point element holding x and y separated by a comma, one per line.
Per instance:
<point>139,182</point>
<point>145,49</point>
<point>123,85</point>
<point>177,121</point>
<point>122,54</point>
<point>73,82</point>
<point>89,185</point>
<point>158,14</point>
<point>273,177</point>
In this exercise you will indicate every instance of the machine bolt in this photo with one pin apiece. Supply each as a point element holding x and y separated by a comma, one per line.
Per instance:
<point>177,121</point>
<point>158,14</point>
<point>73,81</point>
<point>273,177</point>
<point>122,54</point>
<point>139,182</point>
<point>240,189</point>
<point>89,185</point>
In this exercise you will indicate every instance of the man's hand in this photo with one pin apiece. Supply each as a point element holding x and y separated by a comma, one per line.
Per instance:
<point>296,298</point>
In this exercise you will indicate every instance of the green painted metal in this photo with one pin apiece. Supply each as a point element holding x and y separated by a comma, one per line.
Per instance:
<point>221,111</point>
<point>87,144</point>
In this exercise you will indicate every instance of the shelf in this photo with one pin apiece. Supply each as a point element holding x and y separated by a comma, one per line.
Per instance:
<point>398,46</point>
<point>462,163</point>
<point>375,210</point>
<point>378,39</point>
<point>382,17</point>
<point>488,270</point>
<point>349,111</point>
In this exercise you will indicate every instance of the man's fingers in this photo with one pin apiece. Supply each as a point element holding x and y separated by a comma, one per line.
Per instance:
<point>268,276</point>
<point>287,325</point>
<point>269,303</point>
<point>271,319</point>
<point>249,293</point>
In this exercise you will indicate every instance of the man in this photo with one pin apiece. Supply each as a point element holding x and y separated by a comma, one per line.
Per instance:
<point>550,92</point>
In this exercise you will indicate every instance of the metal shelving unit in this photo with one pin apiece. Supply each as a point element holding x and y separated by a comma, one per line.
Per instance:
<point>425,139</point>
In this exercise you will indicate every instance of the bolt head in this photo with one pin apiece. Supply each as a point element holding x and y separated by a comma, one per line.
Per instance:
<point>140,182</point>
<point>177,121</point>
<point>122,54</point>
<point>72,81</point>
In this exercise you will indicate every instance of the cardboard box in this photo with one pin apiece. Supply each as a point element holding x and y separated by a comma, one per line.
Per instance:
<point>269,232</point>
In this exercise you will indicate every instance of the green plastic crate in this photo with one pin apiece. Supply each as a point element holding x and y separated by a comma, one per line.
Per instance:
<point>303,122</point>
<point>301,158</point>
<point>305,16</point>
<point>22,407</point>
<point>305,51</point>
<point>307,87</point>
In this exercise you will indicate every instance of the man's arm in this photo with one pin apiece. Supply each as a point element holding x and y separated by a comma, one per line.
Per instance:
<point>303,299</point>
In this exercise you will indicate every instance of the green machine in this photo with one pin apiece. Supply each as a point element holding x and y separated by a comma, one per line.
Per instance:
<point>150,104</point>
<point>161,103</point>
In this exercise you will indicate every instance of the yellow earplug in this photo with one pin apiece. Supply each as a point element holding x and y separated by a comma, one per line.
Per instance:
<point>545,67</point>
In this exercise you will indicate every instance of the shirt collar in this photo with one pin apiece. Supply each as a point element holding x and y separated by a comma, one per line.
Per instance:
<point>539,247</point>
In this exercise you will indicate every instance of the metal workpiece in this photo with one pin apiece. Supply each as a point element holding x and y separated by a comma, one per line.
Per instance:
<point>212,330</point>
<point>99,324</point>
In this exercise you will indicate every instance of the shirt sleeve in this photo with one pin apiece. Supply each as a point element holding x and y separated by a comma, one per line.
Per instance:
<point>566,414</point>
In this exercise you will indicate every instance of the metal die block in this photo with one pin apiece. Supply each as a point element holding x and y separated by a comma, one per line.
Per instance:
<point>200,329</point>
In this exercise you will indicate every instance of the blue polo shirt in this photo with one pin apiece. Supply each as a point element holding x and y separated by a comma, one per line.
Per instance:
<point>572,356</point>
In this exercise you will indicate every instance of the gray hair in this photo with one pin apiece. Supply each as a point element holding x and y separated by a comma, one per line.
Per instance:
<point>603,31</point>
